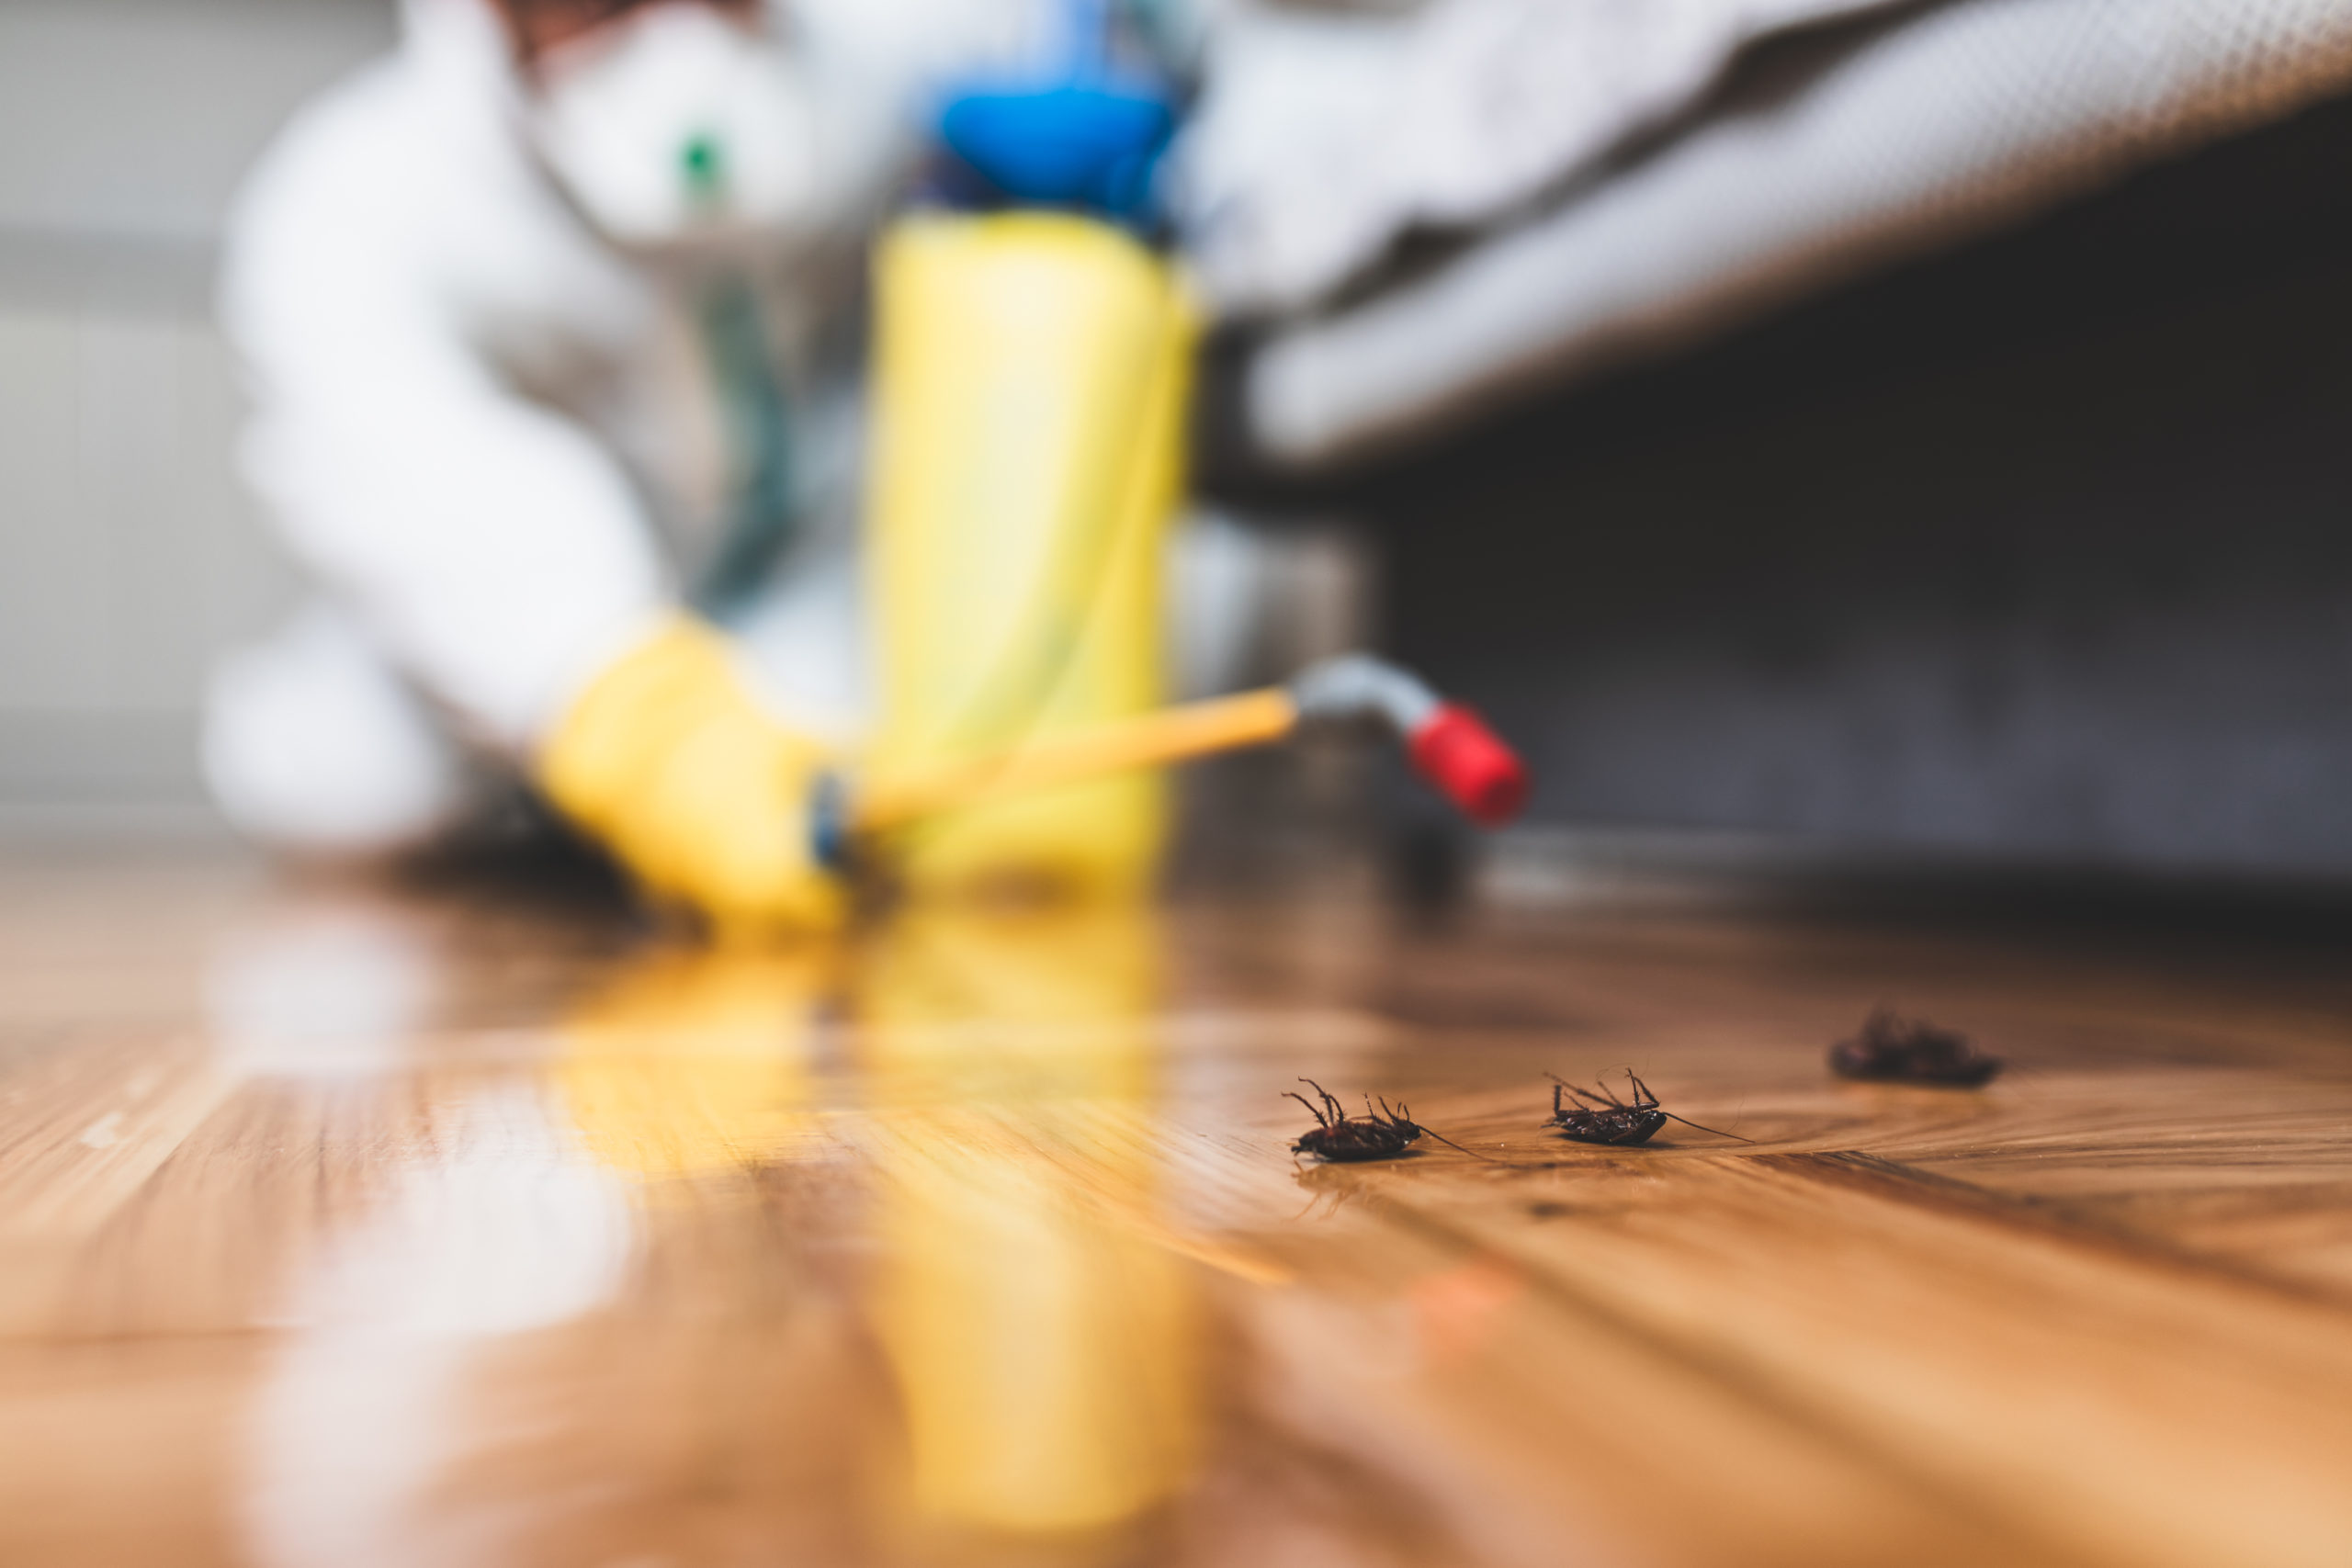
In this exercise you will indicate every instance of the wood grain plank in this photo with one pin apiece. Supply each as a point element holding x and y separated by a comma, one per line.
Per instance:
<point>507,1234</point>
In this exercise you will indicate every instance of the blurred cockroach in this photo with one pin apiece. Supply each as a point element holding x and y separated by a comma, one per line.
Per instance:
<point>1600,1117</point>
<point>1337,1138</point>
<point>1892,1048</point>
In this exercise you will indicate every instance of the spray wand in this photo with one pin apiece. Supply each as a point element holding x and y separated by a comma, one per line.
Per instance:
<point>1449,744</point>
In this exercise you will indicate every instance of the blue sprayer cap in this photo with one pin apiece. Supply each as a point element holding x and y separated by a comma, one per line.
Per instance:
<point>1082,136</point>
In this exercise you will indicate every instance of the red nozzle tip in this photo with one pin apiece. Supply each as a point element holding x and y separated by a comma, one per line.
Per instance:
<point>1457,752</point>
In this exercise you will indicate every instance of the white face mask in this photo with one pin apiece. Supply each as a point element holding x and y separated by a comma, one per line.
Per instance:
<point>678,123</point>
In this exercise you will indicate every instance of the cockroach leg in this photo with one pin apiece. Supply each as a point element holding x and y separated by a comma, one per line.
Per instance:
<point>1312,1109</point>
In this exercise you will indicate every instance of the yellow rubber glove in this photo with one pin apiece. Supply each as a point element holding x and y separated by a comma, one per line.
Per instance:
<point>670,764</point>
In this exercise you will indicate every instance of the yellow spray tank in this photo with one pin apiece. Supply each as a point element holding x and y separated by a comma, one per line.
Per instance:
<point>1028,408</point>
<point>1031,378</point>
<point>1029,401</point>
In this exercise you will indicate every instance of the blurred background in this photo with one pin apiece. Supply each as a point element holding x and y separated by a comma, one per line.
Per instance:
<point>1847,444</point>
<point>130,553</point>
<point>1915,429</point>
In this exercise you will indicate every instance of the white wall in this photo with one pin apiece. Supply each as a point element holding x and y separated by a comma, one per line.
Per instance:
<point>128,552</point>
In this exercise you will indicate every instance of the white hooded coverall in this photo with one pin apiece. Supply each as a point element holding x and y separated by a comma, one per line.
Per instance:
<point>489,433</point>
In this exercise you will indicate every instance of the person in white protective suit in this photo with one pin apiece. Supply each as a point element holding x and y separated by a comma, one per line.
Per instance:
<point>544,321</point>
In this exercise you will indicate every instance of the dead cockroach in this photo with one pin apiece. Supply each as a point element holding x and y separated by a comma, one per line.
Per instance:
<point>1337,1138</point>
<point>1899,1050</point>
<point>1600,1117</point>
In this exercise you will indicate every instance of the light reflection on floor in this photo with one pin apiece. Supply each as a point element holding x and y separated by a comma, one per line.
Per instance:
<point>357,1226</point>
<point>991,1077</point>
<point>1044,1343</point>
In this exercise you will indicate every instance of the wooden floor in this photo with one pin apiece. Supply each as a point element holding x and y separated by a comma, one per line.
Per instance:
<point>350,1228</point>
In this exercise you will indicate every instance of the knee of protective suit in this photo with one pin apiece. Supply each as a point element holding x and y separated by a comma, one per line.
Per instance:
<point>312,745</point>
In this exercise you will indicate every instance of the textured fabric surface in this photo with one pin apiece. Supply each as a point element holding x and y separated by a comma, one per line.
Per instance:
<point>1325,135</point>
<point>1848,152</point>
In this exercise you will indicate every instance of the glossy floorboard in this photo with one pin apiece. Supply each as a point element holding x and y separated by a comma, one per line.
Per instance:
<point>346,1227</point>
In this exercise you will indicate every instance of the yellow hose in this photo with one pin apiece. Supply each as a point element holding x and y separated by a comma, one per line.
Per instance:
<point>901,795</point>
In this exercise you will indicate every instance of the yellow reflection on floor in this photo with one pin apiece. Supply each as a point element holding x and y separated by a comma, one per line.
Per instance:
<point>1043,1344</point>
<point>694,1060</point>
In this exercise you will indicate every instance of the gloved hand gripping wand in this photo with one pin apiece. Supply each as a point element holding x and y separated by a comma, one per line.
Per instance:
<point>1449,745</point>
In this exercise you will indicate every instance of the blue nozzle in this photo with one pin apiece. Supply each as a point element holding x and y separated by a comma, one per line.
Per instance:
<point>1069,145</point>
<point>1079,133</point>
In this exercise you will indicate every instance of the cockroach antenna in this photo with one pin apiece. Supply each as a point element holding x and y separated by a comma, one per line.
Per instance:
<point>1337,1138</point>
<point>1600,1117</point>
<point>1403,1116</point>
